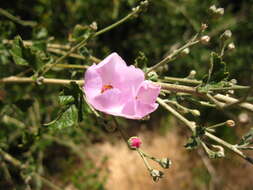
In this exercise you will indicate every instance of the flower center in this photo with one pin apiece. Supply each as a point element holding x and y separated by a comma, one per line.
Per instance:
<point>106,87</point>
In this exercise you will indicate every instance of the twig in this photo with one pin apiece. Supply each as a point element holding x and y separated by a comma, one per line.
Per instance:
<point>16,19</point>
<point>48,66</point>
<point>182,80</point>
<point>230,100</point>
<point>43,80</point>
<point>192,126</point>
<point>171,56</point>
<point>21,166</point>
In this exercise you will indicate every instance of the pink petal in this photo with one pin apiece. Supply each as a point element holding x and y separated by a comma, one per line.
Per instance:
<point>109,102</point>
<point>111,68</point>
<point>148,92</point>
<point>145,109</point>
<point>93,82</point>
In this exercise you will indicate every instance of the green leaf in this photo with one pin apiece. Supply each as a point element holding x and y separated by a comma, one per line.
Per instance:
<point>141,61</point>
<point>217,71</point>
<point>28,56</point>
<point>80,33</point>
<point>65,100</point>
<point>17,51</point>
<point>68,119</point>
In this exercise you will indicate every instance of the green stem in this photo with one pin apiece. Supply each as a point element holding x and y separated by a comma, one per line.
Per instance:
<point>144,160</point>
<point>192,126</point>
<point>182,80</point>
<point>16,19</point>
<point>171,56</point>
<point>217,125</point>
<point>19,165</point>
<point>48,66</point>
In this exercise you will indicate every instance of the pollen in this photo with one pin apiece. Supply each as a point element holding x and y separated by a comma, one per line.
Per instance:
<point>106,87</point>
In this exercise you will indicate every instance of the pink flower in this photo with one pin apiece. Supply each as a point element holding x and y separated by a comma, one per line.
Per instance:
<point>134,142</point>
<point>117,89</point>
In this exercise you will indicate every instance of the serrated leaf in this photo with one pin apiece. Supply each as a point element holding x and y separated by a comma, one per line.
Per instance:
<point>217,71</point>
<point>141,61</point>
<point>65,100</point>
<point>28,56</point>
<point>17,51</point>
<point>68,119</point>
<point>81,32</point>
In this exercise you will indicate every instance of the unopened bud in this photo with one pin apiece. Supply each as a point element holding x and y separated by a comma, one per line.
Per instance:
<point>226,35</point>
<point>156,175</point>
<point>213,8</point>
<point>195,112</point>
<point>134,142</point>
<point>231,91</point>
<point>233,81</point>
<point>205,39</point>
<point>216,12</point>
<point>220,11</point>
<point>243,118</point>
<point>192,74</point>
<point>203,27</point>
<point>186,51</point>
<point>40,80</point>
<point>230,123</point>
<point>165,163</point>
<point>231,46</point>
<point>94,26</point>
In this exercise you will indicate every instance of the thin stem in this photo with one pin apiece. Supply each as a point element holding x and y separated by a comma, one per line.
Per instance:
<point>19,165</point>
<point>71,66</point>
<point>48,66</point>
<point>226,144</point>
<point>191,125</point>
<point>182,80</point>
<point>43,80</point>
<point>230,88</point>
<point>16,19</point>
<point>59,49</point>
<point>230,100</point>
<point>84,41</point>
<point>217,125</point>
<point>144,160</point>
<point>121,21</point>
<point>171,56</point>
<point>61,52</point>
<point>165,86</point>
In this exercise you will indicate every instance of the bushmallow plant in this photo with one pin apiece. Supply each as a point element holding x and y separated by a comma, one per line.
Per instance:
<point>114,88</point>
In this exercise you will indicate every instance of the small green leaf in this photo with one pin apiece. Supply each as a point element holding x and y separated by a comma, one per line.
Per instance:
<point>65,100</point>
<point>29,56</point>
<point>141,61</point>
<point>17,51</point>
<point>68,119</point>
<point>217,71</point>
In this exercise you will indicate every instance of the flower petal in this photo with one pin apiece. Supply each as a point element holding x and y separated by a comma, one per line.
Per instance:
<point>93,82</point>
<point>145,109</point>
<point>110,101</point>
<point>148,92</point>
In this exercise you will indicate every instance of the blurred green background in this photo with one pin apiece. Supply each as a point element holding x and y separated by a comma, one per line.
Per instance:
<point>64,155</point>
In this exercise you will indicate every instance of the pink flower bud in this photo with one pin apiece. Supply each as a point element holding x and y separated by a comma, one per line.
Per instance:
<point>134,142</point>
